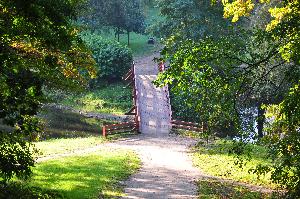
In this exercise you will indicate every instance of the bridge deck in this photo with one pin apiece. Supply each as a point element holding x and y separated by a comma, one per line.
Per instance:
<point>153,103</point>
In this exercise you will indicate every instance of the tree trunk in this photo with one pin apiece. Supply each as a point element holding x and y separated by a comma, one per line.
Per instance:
<point>260,120</point>
<point>118,34</point>
<point>128,37</point>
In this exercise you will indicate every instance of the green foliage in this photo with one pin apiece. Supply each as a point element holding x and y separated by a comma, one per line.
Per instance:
<point>283,141</point>
<point>120,14</point>
<point>15,156</point>
<point>113,59</point>
<point>188,19</point>
<point>38,46</point>
<point>284,22</point>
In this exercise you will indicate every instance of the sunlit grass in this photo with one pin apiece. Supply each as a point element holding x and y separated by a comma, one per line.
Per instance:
<point>114,99</point>
<point>62,146</point>
<point>215,160</point>
<point>214,189</point>
<point>86,176</point>
<point>137,43</point>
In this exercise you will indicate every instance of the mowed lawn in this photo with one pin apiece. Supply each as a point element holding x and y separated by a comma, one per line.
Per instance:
<point>71,170</point>
<point>86,176</point>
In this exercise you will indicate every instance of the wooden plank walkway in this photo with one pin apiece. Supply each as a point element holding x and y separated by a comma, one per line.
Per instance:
<point>153,104</point>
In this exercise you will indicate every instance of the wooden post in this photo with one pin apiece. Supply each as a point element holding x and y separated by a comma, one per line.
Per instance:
<point>103,131</point>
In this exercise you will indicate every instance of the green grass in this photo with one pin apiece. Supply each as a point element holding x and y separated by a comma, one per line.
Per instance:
<point>214,189</point>
<point>215,160</point>
<point>137,43</point>
<point>59,123</point>
<point>86,176</point>
<point>61,146</point>
<point>114,99</point>
<point>19,190</point>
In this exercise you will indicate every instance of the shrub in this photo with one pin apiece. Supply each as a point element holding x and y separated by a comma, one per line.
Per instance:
<point>113,59</point>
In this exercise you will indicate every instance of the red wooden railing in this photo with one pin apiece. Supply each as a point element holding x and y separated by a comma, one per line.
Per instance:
<point>118,128</point>
<point>177,124</point>
<point>126,126</point>
<point>134,126</point>
<point>161,66</point>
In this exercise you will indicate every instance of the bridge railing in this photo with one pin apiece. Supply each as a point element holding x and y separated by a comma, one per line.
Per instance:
<point>177,124</point>
<point>126,126</point>
<point>118,128</point>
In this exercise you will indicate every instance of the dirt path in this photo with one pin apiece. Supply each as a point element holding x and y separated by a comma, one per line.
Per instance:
<point>166,171</point>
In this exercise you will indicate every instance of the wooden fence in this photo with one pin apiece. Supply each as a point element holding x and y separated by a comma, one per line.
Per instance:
<point>126,126</point>
<point>177,124</point>
<point>118,128</point>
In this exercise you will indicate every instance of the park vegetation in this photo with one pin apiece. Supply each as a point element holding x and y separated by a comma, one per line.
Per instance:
<point>239,77</point>
<point>44,50</point>
<point>234,66</point>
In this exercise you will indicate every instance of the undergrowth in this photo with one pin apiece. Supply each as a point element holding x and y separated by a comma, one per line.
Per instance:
<point>113,99</point>
<point>215,159</point>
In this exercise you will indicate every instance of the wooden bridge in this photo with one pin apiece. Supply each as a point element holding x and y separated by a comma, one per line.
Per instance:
<point>151,105</point>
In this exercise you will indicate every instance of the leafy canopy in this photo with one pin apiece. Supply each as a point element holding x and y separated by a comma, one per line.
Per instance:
<point>39,47</point>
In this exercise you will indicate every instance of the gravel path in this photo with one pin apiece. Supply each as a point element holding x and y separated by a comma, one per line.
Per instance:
<point>166,171</point>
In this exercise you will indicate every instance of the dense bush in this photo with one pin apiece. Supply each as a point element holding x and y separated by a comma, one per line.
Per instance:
<point>113,59</point>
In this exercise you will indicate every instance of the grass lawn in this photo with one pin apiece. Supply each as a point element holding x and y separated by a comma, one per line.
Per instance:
<point>63,145</point>
<point>215,189</point>
<point>92,175</point>
<point>114,99</point>
<point>138,42</point>
<point>215,160</point>
<point>86,176</point>
<point>58,123</point>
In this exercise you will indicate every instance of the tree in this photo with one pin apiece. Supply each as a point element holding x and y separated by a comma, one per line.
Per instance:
<point>38,47</point>
<point>188,19</point>
<point>122,15</point>
<point>283,134</point>
<point>284,24</point>
<point>223,76</point>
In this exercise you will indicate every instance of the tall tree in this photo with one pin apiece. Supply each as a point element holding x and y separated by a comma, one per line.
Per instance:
<point>38,47</point>
<point>122,15</point>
